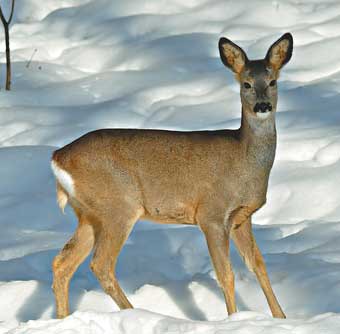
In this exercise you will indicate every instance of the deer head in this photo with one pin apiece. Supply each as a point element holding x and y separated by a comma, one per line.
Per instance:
<point>257,78</point>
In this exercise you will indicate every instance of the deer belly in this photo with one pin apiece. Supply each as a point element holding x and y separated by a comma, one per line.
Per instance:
<point>168,214</point>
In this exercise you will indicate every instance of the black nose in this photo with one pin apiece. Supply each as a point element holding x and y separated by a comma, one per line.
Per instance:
<point>263,107</point>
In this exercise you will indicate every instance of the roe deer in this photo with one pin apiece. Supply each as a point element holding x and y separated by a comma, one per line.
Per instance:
<point>213,179</point>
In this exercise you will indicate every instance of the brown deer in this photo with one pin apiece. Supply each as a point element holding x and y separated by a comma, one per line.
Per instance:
<point>213,179</point>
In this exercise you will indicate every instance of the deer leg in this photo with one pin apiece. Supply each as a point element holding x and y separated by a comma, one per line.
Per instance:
<point>218,245</point>
<point>109,242</point>
<point>245,242</point>
<point>66,263</point>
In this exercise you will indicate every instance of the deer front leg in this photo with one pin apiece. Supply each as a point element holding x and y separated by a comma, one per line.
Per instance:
<point>218,245</point>
<point>243,237</point>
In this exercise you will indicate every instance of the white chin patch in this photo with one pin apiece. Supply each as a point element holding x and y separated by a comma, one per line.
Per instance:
<point>263,115</point>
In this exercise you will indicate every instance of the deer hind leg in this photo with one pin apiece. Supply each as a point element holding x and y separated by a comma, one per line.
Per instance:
<point>243,237</point>
<point>218,244</point>
<point>109,242</point>
<point>67,261</point>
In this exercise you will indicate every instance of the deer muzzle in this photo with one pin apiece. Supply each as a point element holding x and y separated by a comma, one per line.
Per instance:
<point>263,107</point>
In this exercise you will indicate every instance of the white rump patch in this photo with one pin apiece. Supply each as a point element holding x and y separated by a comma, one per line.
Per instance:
<point>64,178</point>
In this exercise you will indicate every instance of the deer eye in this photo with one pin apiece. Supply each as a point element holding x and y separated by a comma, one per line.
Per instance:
<point>272,83</point>
<point>246,85</point>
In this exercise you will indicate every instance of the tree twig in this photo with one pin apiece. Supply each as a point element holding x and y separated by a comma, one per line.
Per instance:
<point>8,57</point>
<point>2,17</point>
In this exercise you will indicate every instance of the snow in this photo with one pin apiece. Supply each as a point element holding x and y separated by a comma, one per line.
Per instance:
<point>144,322</point>
<point>155,64</point>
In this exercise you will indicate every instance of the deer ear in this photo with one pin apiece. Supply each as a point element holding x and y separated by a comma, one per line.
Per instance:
<point>232,55</point>
<point>280,52</point>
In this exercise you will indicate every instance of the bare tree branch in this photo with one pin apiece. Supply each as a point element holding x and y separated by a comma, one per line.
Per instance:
<point>8,55</point>
<point>2,17</point>
<point>12,11</point>
<point>3,20</point>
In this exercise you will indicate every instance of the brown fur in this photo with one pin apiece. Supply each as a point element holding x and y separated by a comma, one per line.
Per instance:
<point>213,179</point>
<point>278,54</point>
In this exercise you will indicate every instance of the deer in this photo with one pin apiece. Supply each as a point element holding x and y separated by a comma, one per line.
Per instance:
<point>215,180</point>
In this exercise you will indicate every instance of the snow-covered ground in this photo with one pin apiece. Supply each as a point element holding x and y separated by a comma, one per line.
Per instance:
<point>155,64</point>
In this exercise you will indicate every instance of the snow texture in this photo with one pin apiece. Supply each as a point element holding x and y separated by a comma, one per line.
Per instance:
<point>155,64</point>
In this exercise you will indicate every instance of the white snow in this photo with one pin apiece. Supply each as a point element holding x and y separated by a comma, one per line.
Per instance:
<point>155,64</point>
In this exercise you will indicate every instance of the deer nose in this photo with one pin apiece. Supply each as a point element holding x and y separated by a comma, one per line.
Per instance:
<point>263,107</point>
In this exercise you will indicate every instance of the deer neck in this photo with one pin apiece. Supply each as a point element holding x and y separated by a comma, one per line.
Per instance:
<point>258,139</point>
